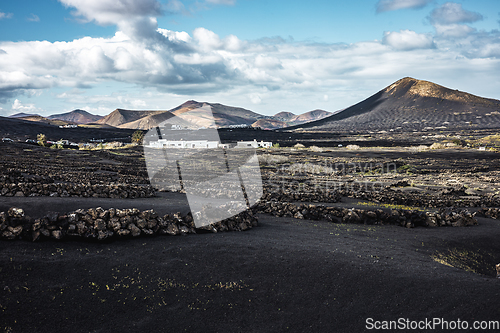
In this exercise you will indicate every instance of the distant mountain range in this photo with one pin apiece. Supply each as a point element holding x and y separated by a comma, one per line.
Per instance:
<point>409,105</point>
<point>406,105</point>
<point>39,119</point>
<point>73,117</point>
<point>189,113</point>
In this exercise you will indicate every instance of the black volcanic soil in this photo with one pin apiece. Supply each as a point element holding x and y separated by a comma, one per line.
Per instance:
<point>284,275</point>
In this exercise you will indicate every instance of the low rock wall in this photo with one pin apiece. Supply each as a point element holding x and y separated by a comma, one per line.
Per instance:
<point>406,218</point>
<point>493,212</point>
<point>100,224</point>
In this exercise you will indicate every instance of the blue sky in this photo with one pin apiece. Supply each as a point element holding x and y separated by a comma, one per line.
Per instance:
<point>267,56</point>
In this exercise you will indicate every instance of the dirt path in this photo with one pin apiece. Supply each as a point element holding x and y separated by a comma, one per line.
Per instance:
<point>38,206</point>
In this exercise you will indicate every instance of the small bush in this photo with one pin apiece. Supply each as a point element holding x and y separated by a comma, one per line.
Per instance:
<point>419,148</point>
<point>268,159</point>
<point>299,146</point>
<point>41,139</point>
<point>137,137</point>
<point>437,145</point>
<point>112,145</point>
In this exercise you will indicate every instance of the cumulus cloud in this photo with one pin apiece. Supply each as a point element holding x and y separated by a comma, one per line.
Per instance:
<point>408,40</point>
<point>110,12</point>
<point>390,5</point>
<point>18,106</point>
<point>453,30</point>
<point>204,63</point>
<point>450,18</point>
<point>207,39</point>
<point>452,13</point>
<point>5,15</point>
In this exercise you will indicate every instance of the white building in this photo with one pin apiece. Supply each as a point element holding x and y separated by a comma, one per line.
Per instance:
<point>253,144</point>
<point>164,143</point>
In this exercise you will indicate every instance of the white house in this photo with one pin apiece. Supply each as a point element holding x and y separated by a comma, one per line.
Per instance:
<point>253,144</point>
<point>164,143</point>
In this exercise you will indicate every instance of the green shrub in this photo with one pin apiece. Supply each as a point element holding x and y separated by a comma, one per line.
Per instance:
<point>41,139</point>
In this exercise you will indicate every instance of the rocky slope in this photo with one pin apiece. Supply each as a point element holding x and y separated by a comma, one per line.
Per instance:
<point>77,116</point>
<point>287,119</point>
<point>44,120</point>
<point>284,116</point>
<point>411,104</point>
<point>22,114</point>
<point>121,117</point>
<point>270,124</point>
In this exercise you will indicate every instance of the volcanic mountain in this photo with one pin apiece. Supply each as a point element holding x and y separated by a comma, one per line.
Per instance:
<point>270,124</point>
<point>223,115</point>
<point>77,116</point>
<point>44,120</point>
<point>22,114</point>
<point>411,104</point>
<point>286,119</point>
<point>284,116</point>
<point>120,117</point>
<point>309,116</point>
<point>190,113</point>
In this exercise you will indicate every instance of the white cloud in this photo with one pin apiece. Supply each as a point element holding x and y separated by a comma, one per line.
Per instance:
<point>33,18</point>
<point>110,12</point>
<point>449,19</point>
<point>390,5</point>
<point>222,2</point>
<point>5,15</point>
<point>452,13</point>
<point>138,103</point>
<point>18,106</point>
<point>263,61</point>
<point>207,39</point>
<point>408,40</point>
<point>207,65</point>
<point>453,30</point>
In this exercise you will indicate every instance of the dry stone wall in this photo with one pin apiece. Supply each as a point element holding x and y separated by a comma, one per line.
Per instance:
<point>405,218</point>
<point>99,224</point>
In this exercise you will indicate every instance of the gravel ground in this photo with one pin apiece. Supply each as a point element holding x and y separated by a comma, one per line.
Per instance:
<point>285,275</point>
